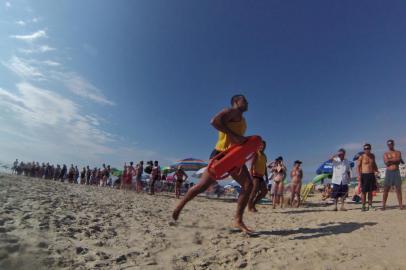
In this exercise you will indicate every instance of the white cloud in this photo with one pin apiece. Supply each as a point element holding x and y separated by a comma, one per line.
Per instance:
<point>31,37</point>
<point>37,49</point>
<point>23,69</point>
<point>22,23</point>
<point>54,123</point>
<point>81,87</point>
<point>51,63</point>
<point>8,5</point>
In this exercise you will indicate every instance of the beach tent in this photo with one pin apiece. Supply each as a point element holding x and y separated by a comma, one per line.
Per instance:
<point>189,164</point>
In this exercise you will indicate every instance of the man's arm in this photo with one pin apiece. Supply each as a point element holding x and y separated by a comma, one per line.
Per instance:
<point>359,167</point>
<point>220,121</point>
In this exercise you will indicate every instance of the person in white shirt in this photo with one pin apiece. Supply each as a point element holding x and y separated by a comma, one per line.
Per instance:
<point>341,178</point>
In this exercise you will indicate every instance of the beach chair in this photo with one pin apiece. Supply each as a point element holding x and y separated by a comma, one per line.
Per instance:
<point>306,191</point>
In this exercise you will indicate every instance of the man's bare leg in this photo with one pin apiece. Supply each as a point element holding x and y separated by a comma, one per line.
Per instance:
<point>262,193</point>
<point>363,199</point>
<point>342,208</point>
<point>204,183</point>
<point>253,195</point>
<point>370,197</point>
<point>399,196</point>
<point>385,197</point>
<point>244,179</point>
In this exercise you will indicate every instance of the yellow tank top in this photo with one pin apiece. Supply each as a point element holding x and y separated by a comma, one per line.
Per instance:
<point>239,128</point>
<point>259,167</point>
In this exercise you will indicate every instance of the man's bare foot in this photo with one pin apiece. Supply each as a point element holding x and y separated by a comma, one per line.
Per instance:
<point>343,209</point>
<point>401,207</point>
<point>383,208</point>
<point>175,214</point>
<point>243,227</point>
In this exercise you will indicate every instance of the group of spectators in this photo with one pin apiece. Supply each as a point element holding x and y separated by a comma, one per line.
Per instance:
<point>131,177</point>
<point>87,175</point>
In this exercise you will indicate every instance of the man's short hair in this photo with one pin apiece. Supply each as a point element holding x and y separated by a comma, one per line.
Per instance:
<point>341,150</point>
<point>368,145</point>
<point>390,141</point>
<point>235,98</point>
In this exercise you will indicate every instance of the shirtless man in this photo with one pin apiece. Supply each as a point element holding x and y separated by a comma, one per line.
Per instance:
<point>392,159</point>
<point>231,126</point>
<point>180,176</point>
<point>296,176</point>
<point>155,175</point>
<point>367,169</point>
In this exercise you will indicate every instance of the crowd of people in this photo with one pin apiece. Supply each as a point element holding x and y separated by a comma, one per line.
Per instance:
<point>85,176</point>
<point>131,177</point>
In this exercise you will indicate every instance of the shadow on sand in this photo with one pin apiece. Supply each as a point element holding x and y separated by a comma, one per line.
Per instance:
<point>324,230</point>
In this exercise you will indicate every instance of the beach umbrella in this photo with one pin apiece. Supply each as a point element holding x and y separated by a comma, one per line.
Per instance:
<point>167,169</point>
<point>189,164</point>
<point>116,172</point>
<point>327,167</point>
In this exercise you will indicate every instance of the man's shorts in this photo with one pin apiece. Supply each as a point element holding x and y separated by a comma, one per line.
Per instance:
<point>339,191</point>
<point>368,182</point>
<point>392,178</point>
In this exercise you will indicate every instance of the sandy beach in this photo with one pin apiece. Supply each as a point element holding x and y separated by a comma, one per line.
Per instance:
<point>50,225</point>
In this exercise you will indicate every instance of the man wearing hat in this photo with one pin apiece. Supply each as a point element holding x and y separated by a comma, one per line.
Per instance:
<point>296,176</point>
<point>341,178</point>
<point>392,159</point>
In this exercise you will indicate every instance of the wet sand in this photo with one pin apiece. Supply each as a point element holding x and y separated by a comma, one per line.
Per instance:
<point>50,225</point>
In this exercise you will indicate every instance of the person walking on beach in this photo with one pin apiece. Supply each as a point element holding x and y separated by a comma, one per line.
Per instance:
<point>392,159</point>
<point>278,170</point>
<point>367,169</point>
<point>231,126</point>
<point>180,176</point>
<point>155,176</point>
<point>341,178</point>
<point>296,176</point>
<point>258,172</point>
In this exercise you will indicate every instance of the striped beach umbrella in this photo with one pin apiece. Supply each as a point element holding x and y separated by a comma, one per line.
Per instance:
<point>190,164</point>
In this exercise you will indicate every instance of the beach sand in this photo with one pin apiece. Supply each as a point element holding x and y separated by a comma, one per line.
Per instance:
<point>50,225</point>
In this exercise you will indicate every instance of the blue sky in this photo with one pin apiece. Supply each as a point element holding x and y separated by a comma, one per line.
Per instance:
<point>94,81</point>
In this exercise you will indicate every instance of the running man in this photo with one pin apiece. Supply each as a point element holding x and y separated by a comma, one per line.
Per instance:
<point>258,172</point>
<point>231,126</point>
<point>296,176</point>
<point>180,176</point>
<point>392,159</point>
<point>367,169</point>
